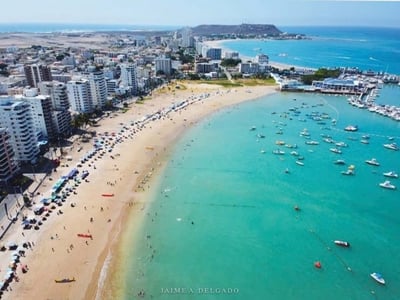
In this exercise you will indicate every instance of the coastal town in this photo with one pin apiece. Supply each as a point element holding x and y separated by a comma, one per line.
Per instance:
<point>64,105</point>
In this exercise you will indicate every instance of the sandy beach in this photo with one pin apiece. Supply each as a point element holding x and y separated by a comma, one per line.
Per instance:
<point>115,193</point>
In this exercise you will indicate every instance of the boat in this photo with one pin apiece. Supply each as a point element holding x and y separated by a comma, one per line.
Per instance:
<point>364,141</point>
<point>387,185</point>
<point>278,152</point>
<point>312,143</point>
<point>348,172</point>
<point>372,162</point>
<point>391,174</point>
<point>378,277</point>
<point>342,243</point>
<point>65,280</point>
<point>341,144</point>
<point>351,128</point>
<point>339,162</point>
<point>252,128</point>
<point>335,150</point>
<point>107,195</point>
<point>392,146</point>
<point>300,163</point>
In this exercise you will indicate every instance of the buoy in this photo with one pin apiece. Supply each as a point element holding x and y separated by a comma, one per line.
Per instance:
<point>317,264</point>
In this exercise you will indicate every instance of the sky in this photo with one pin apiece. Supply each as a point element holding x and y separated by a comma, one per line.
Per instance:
<point>191,13</point>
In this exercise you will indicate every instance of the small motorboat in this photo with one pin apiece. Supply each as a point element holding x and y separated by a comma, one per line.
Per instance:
<point>335,150</point>
<point>378,277</point>
<point>342,243</point>
<point>391,174</point>
<point>387,185</point>
<point>372,162</point>
<point>278,152</point>
<point>348,172</point>
<point>392,146</point>
<point>351,128</point>
<point>339,162</point>
<point>300,163</point>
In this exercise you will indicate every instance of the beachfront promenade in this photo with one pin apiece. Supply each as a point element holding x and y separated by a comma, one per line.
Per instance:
<point>120,161</point>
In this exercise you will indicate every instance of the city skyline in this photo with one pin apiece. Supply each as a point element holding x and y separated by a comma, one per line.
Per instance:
<point>180,13</point>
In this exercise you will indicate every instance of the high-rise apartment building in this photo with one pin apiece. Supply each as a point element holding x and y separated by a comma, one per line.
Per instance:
<point>8,165</point>
<point>61,116</point>
<point>37,73</point>
<point>16,117</point>
<point>163,65</point>
<point>79,95</point>
<point>98,89</point>
<point>129,77</point>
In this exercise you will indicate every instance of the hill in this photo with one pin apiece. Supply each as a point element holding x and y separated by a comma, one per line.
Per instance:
<point>239,30</point>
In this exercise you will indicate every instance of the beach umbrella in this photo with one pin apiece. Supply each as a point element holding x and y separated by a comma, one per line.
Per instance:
<point>12,245</point>
<point>25,222</point>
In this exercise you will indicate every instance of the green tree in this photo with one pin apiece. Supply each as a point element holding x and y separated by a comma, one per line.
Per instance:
<point>320,74</point>
<point>230,62</point>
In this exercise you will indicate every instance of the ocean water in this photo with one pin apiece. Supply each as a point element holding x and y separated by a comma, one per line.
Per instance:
<point>223,216</point>
<point>376,49</point>
<point>222,224</point>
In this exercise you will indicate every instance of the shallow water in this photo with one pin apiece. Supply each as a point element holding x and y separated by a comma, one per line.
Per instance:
<point>222,224</point>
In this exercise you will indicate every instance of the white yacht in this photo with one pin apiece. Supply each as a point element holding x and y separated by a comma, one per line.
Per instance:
<point>335,150</point>
<point>387,185</point>
<point>391,174</point>
<point>392,146</point>
<point>378,277</point>
<point>372,162</point>
<point>278,152</point>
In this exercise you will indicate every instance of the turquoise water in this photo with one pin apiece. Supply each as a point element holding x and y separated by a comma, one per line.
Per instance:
<point>224,219</point>
<point>376,49</point>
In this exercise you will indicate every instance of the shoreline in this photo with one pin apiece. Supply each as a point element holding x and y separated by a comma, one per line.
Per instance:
<point>278,65</point>
<point>135,163</point>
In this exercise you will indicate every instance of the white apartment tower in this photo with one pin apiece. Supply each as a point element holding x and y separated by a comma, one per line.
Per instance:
<point>129,77</point>
<point>16,117</point>
<point>164,65</point>
<point>187,38</point>
<point>8,165</point>
<point>41,110</point>
<point>79,95</point>
<point>98,89</point>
